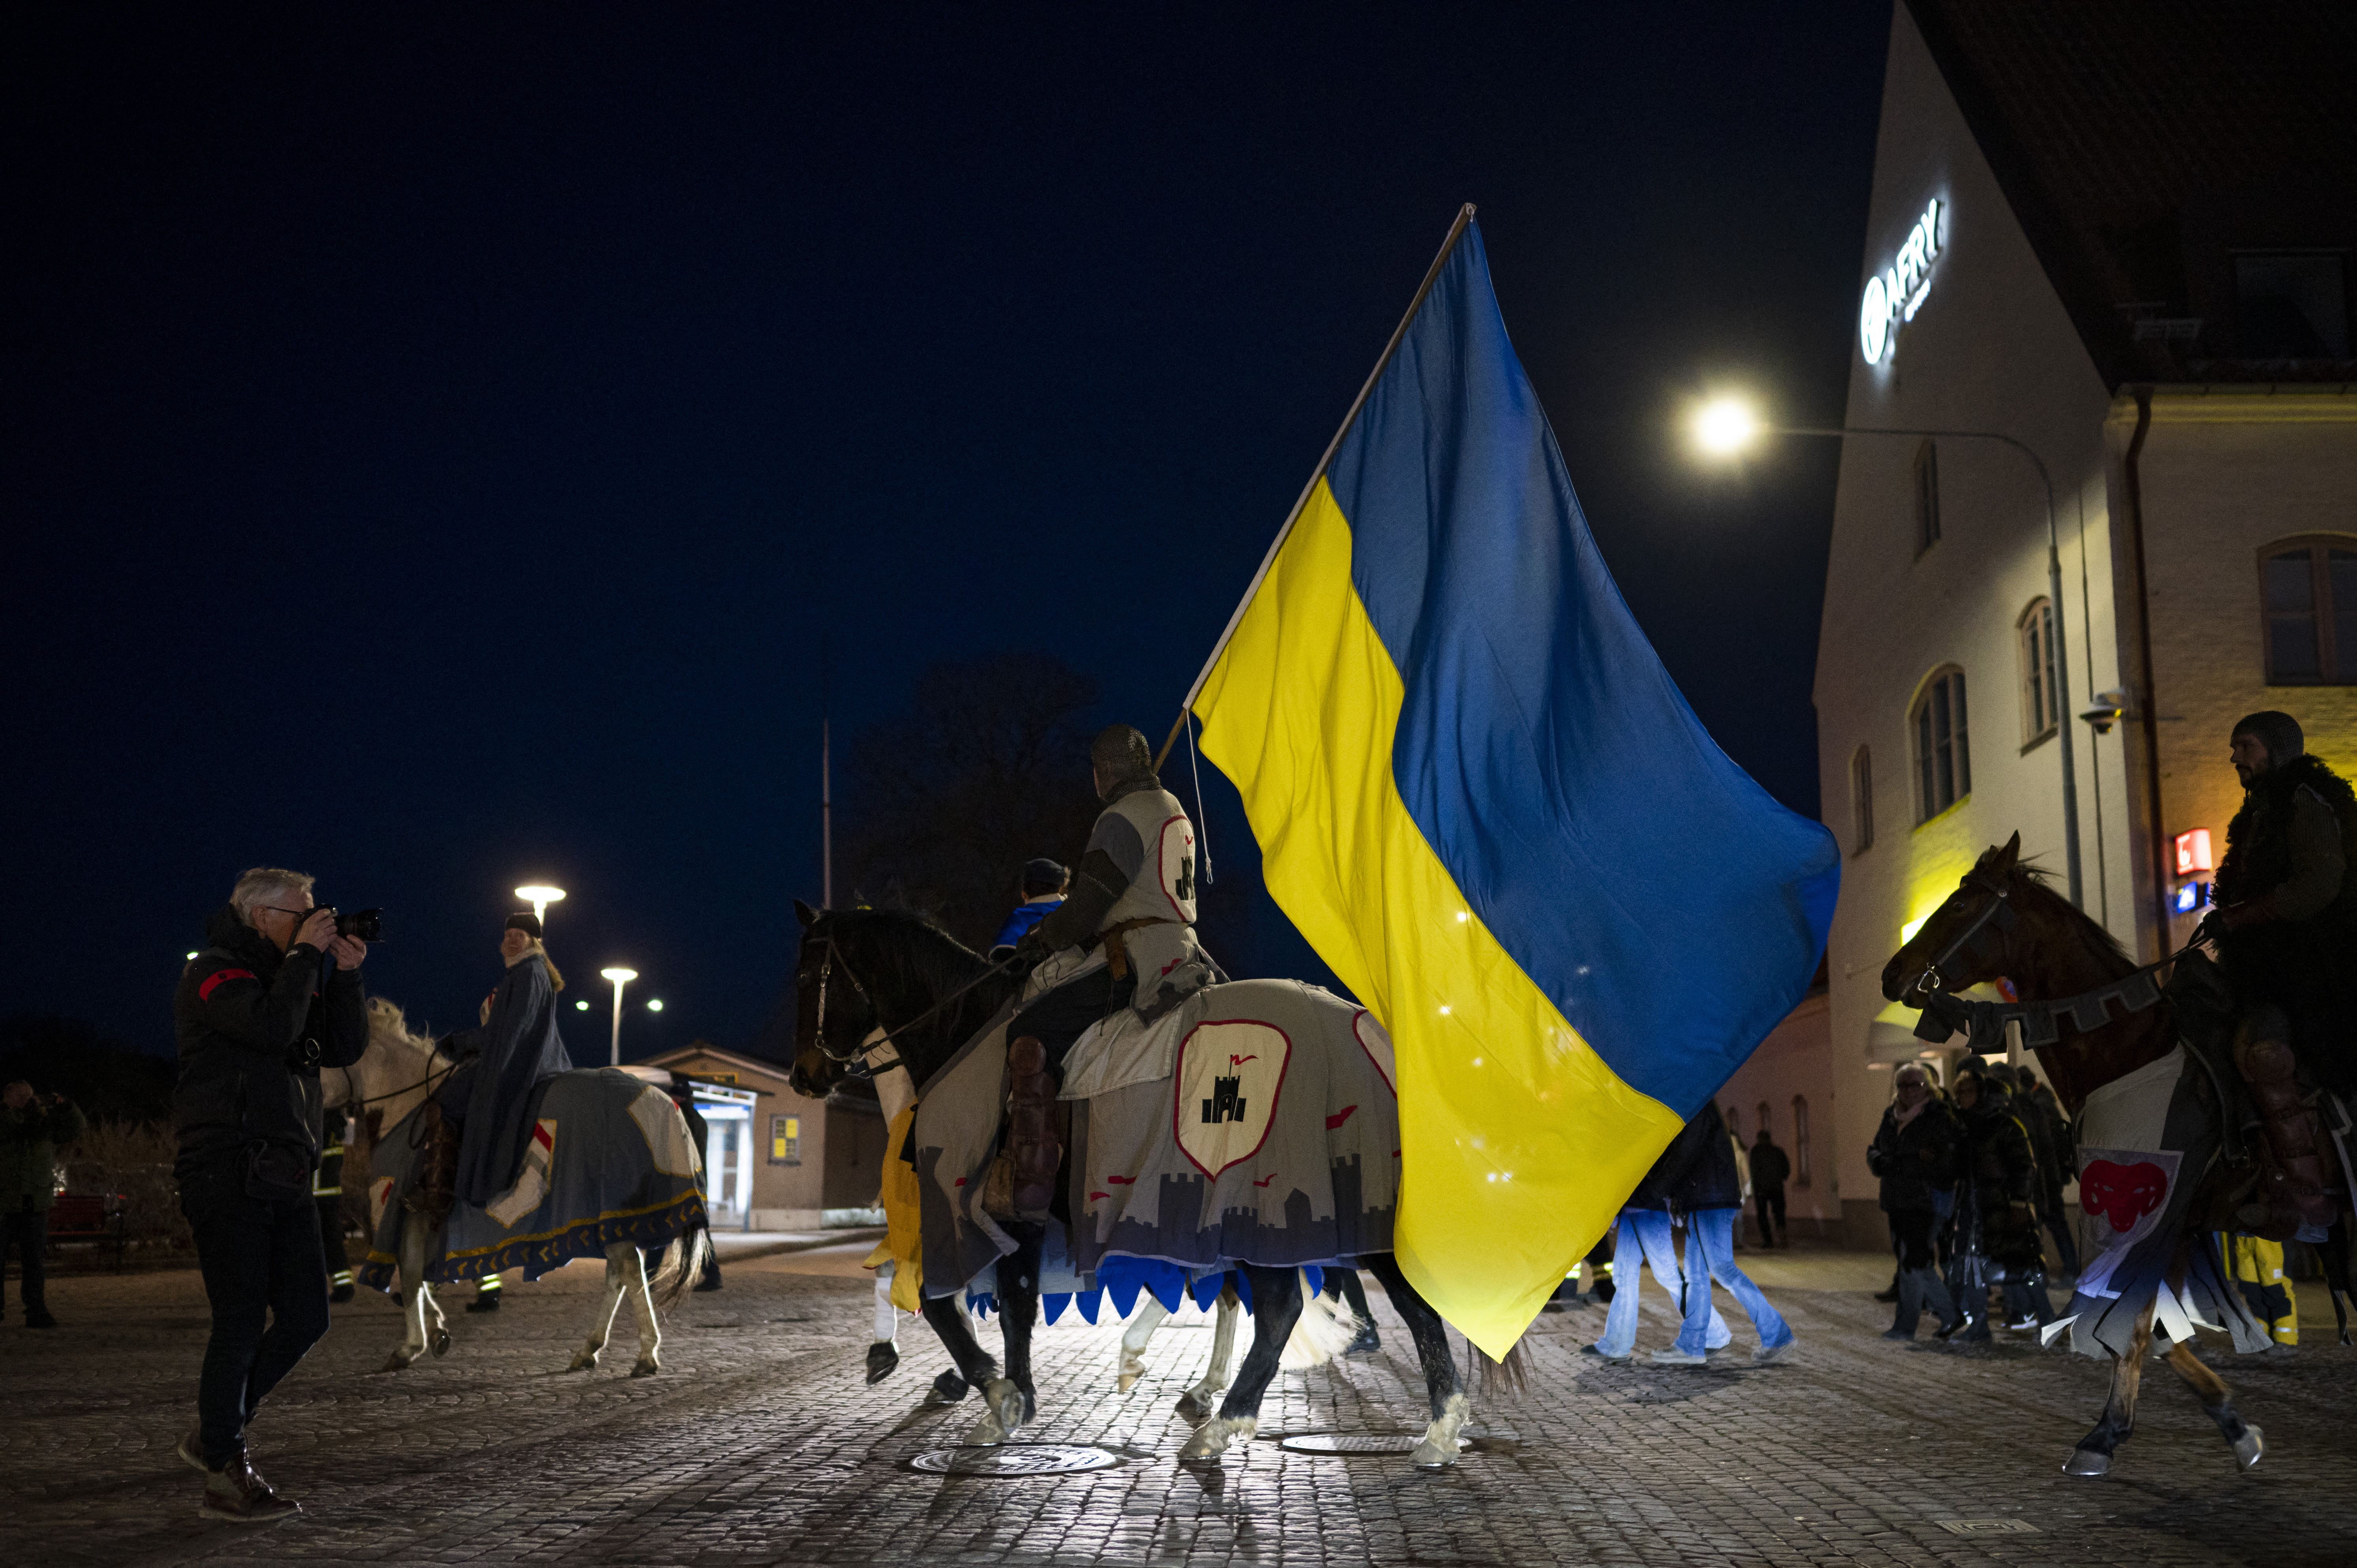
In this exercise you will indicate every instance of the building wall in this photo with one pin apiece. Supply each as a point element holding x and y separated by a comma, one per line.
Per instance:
<point>1794,1062</point>
<point>785,1196</point>
<point>1991,349</point>
<point>2223,472</point>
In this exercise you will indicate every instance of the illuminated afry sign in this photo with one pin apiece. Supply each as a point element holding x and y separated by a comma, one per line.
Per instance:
<point>1895,293</point>
<point>2193,853</point>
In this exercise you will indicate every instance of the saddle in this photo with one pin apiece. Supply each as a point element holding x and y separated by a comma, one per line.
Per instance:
<point>2263,1109</point>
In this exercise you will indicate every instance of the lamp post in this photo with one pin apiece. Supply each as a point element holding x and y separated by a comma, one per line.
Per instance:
<point>1725,426</point>
<point>620,977</point>
<point>540,898</point>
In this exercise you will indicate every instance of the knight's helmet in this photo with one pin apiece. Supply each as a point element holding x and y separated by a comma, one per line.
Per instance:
<point>1122,753</point>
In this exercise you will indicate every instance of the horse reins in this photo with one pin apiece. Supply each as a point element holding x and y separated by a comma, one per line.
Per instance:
<point>855,1058</point>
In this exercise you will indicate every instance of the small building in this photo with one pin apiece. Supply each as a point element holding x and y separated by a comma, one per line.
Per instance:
<point>776,1160</point>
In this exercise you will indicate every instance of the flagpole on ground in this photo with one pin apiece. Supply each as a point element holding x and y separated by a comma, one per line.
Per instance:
<point>1431,275</point>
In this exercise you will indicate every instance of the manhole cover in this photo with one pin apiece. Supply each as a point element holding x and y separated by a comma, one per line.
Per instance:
<point>1357,1443</point>
<point>1986,1526</point>
<point>1015,1459</point>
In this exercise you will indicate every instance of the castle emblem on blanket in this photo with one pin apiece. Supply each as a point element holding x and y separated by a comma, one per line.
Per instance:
<point>1230,1074</point>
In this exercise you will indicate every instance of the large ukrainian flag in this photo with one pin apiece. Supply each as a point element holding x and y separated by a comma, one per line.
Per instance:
<point>1481,800</point>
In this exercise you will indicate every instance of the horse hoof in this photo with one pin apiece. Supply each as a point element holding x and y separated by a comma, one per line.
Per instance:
<point>948,1389</point>
<point>1002,1414</point>
<point>1438,1449</point>
<point>2249,1446</point>
<point>1128,1380</point>
<point>396,1362</point>
<point>582,1363</point>
<point>1431,1455</point>
<point>2087,1462</point>
<point>882,1361</point>
<point>441,1345</point>
<point>1215,1436</point>
<point>645,1369</point>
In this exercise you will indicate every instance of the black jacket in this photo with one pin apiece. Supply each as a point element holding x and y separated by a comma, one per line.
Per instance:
<point>1700,1165</point>
<point>2000,1171</point>
<point>1770,1167</point>
<point>247,1020</point>
<point>1916,1161</point>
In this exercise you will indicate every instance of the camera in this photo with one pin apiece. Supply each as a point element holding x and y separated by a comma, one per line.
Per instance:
<point>361,925</point>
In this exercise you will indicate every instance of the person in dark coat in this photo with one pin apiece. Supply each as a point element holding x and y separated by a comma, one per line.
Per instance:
<point>1997,1225</point>
<point>1914,1155</point>
<point>1770,1169</point>
<point>487,1103</point>
<point>33,1128</point>
<point>274,997</point>
<point>1708,1190</point>
<point>2058,1160</point>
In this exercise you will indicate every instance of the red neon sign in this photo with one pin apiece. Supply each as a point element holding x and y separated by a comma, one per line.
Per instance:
<point>2193,853</point>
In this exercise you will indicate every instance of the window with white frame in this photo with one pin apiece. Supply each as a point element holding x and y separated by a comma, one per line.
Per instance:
<point>1944,763</point>
<point>2040,686</point>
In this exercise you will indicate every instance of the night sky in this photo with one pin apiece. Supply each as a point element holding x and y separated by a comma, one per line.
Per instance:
<point>449,448</point>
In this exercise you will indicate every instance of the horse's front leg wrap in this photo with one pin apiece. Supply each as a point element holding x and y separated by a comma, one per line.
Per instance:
<point>1134,1338</point>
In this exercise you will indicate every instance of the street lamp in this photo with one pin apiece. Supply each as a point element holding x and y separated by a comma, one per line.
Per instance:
<point>540,898</point>
<point>1725,425</point>
<point>620,977</point>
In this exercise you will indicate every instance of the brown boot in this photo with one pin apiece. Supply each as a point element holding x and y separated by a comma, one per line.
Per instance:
<point>438,1169</point>
<point>236,1494</point>
<point>1032,1141</point>
<point>2291,1186</point>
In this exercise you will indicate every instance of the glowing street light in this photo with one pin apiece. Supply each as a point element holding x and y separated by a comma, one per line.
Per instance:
<point>620,977</point>
<point>654,1005</point>
<point>1726,424</point>
<point>540,898</point>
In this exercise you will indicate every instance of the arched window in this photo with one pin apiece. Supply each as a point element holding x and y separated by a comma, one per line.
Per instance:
<point>2040,703</point>
<point>1801,1140</point>
<point>2308,596</point>
<point>1861,800</point>
<point>1927,496</point>
<point>1944,763</point>
<point>1764,1119</point>
<point>1734,1119</point>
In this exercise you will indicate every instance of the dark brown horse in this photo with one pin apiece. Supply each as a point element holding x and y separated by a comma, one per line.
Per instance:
<point>2004,921</point>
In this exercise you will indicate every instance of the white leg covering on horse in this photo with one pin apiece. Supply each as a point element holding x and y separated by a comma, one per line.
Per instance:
<point>888,1320</point>
<point>1216,1435</point>
<point>625,1257</point>
<point>601,1327</point>
<point>1150,1315</point>
<point>1438,1449</point>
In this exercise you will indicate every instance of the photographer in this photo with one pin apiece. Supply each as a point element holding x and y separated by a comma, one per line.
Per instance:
<point>274,997</point>
<point>33,1128</point>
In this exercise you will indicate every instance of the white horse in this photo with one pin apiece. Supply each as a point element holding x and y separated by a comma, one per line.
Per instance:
<point>391,1081</point>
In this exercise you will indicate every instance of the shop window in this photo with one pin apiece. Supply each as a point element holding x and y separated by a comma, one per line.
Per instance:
<point>1927,496</point>
<point>1943,764</point>
<point>1861,800</point>
<point>2292,306</point>
<point>2040,688</point>
<point>1800,1140</point>
<point>2308,594</point>
<point>785,1140</point>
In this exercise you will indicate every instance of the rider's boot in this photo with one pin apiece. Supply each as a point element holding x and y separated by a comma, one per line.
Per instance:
<point>1033,1146</point>
<point>2291,1188</point>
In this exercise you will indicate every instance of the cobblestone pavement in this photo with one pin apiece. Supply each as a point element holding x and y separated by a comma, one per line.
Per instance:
<point>759,1444</point>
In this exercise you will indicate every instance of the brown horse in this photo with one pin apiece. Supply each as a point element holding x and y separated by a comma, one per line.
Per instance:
<point>2004,921</point>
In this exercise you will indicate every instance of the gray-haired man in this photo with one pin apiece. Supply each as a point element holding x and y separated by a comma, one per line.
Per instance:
<point>275,996</point>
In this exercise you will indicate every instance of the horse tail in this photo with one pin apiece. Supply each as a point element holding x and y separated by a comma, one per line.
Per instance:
<point>1323,1331</point>
<point>683,1260</point>
<point>1501,1378</point>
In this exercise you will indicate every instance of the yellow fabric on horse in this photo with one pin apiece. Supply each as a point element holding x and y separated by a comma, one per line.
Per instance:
<point>903,1245</point>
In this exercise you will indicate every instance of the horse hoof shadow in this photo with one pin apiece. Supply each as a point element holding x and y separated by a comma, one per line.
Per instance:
<point>2087,1462</point>
<point>396,1362</point>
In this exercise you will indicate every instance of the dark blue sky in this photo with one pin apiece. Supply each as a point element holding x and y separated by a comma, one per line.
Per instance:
<point>444,446</point>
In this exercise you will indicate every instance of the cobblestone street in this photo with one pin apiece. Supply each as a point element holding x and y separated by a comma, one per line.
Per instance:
<point>759,1444</point>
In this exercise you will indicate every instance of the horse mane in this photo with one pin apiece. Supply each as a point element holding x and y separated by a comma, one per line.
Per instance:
<point>388,1023</point>
<point>2035,884</point>
<point>908,953</point>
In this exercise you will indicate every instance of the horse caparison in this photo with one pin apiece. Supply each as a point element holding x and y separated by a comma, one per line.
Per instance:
<point>901,969</point>
<point>2030,936</point>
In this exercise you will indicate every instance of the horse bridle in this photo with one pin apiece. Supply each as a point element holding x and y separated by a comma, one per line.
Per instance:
<point>855,1058</point>
<point>2000,902</point>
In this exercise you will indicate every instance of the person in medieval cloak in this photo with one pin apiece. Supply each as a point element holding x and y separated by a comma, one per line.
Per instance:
<point>485,1103</point>
<point>2287,923</point>
<point>1123,938</point>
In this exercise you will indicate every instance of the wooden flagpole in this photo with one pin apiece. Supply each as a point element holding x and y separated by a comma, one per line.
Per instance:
<point>1432,276</point>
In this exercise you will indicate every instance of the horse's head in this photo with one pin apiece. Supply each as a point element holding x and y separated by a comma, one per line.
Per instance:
<point>1968,937</point>
<point>834,1011</point>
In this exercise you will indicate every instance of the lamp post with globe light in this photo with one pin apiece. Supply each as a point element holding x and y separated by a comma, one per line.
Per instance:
<point>620,977</point>
<point>539,897</point>
<point>1724,426</point>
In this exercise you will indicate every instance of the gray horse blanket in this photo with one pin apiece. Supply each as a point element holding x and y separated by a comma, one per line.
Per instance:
<point>609,1160</point>
<point>1273,1139</point>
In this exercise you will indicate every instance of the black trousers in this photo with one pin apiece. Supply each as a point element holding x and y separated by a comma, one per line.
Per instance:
<point>1910,1236</point>
<point>1059,1017</point>
<point>267,1281</point>
<point>1764,1198</point>
<point>333,1257</point>
<point>27,1231</point>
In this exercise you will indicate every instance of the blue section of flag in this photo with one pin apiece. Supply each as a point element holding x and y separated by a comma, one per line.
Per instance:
<point>1665,903</point>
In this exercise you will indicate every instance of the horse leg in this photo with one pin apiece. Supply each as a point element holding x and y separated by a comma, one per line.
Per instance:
<point>1133,1342</point>
<point>602,1324</point>
<point>1450,1406</point>
<point>1007,1401</point>
<point>1197,1401</point>
<point>974,1367</point>
<point>2093,1455</point>
<point>417,1305</point>
<point>625,1257</point>
<point>2207,1386</point>
<point>1276,1302</point>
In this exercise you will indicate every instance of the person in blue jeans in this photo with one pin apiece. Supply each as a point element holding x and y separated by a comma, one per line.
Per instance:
<point>1644,1235</point>
<point>1709,1191</point>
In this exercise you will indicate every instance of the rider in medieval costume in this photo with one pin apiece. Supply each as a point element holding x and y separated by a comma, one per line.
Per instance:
<point>1123,938</point>
<point>486,1102</point>
<point>2288,919</point>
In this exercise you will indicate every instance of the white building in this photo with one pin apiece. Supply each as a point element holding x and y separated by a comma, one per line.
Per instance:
<point>2119,236</point>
